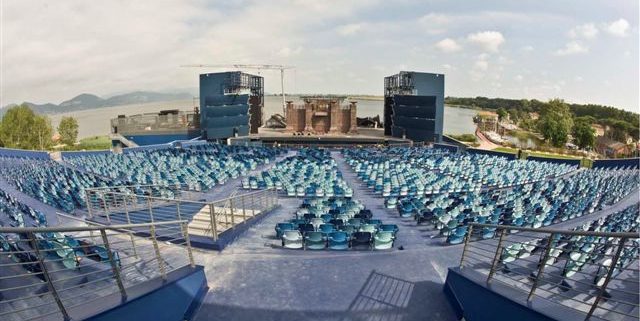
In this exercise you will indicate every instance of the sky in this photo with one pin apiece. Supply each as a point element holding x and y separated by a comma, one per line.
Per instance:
<point>583,51</point>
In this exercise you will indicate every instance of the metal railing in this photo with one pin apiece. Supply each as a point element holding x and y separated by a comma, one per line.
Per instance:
<point>47,272</point>
<point>205,218</point>
<point>595,273</point>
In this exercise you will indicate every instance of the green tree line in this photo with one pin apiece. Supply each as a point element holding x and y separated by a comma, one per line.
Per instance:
<point>22,128</point>
<point>621,122</point>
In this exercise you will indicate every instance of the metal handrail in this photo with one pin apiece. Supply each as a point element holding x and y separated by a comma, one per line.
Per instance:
<point>84,228</point>
<point>558,231</point>
<point>108,256</point>
<point>498,261</point>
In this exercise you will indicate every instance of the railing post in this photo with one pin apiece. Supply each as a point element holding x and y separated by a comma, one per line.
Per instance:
<point>178,211</point>
<point>466,244</point>
<point>612,267</point>
<point>253,205</point>
<point>543,263</point>
<point>163,272</point>
<point>244,209</point>
<point>89,204</point>
<point>106,209</point>
<point>150,210</point>
<point>275,197</point>
<point>187,241</point>
<point>496,258</point>
<point>233,220</point>
<point>114,266</point>
<point>47,277</point>
<point>126,212</point>
<point>214,226</point>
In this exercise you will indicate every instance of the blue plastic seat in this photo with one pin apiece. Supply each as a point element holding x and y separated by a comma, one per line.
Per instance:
<point>338,241</point>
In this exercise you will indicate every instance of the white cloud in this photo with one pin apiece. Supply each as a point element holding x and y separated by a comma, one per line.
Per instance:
<point>448,45</point>
<point>519,78</point>
<point>288,52</point>
<point>481,65</point>
<point>527,48</point>
<point>572,48</point>
<point>350,29</point>
<point>618,28</point>
<point>487,40</point>
<point>586,31</point>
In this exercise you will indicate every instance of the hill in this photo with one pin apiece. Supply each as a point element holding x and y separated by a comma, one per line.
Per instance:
<point>90,101</point>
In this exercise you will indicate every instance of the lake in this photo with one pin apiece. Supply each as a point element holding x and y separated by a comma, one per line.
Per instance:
<point>95,122</point>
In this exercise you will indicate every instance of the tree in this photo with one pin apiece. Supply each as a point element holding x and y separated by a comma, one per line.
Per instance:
<point>555,122</point>
<point>21,128</point>
<point>502,113</point>
<point>583,133</point>
<point>68,130</point>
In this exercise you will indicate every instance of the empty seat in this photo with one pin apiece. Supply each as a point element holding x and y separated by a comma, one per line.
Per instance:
<point>292,239</point>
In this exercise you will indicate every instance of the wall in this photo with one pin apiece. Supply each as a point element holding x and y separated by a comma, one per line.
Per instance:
<point>174,301</point>
<point>574,162</point>
<point>475,302</point>
<point>144,140</point>
<point>8,152</point>
<point>492,153</point>
<point>611,163</point>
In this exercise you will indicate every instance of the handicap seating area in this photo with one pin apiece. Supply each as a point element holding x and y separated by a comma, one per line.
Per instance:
<point>335,223</point>
<point>199,167</point>
<point>531,205</point>
<point>310,173</point>
<point>50,182</point>
<point>417,171</point>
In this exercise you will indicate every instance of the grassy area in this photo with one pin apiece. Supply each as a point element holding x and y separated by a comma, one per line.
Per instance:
<point>471,138</point>
<point>506,150</point>
<point>90,143</point>
<point>537,154</point>
<point>95,142</point>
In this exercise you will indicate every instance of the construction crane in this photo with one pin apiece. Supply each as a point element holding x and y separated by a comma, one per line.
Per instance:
<point>258,67</point>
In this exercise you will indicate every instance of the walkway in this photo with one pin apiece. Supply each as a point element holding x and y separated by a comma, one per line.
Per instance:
<point>256,279</point>
<point>485,143</point>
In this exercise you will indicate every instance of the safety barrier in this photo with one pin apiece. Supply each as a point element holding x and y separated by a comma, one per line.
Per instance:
<point>153,203</point>
<point>594,273</point>
<point>48,272</point>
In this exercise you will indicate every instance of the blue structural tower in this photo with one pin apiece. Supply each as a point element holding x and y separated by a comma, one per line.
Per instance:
<point>230,104</point>
<point>414,106</point>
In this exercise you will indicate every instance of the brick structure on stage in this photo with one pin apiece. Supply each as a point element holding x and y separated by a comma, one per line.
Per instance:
<point>322,115</point>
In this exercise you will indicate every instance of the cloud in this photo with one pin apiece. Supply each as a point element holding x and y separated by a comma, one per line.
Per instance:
<point>527,48</point>
<point>572,48</point>
<point>519,78</point>
<point>448,45</point>
<point>487,40</point>
<point>350,29</point>
<point>288,52</point>
<point>586,31</point>
<point>618,28</point>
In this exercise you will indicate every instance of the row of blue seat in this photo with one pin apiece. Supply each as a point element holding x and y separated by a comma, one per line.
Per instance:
<point>311,173</point>
<point>50,182</point>
<point>417,171</point>
<point>200,167</point>
<point>336,224</point>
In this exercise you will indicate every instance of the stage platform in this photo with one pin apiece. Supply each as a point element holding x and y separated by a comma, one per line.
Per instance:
<point>365,136</point>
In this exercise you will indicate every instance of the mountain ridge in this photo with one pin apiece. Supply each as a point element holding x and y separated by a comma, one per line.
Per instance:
<point>87,101</point>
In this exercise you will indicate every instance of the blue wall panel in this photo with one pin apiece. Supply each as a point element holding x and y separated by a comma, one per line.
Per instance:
<point>477,303</point>
<point>22,153</point>
<point>574,162</point>
<point>612,163</point>
<point>492,153</point>
<point>143,140</point>
<point>175,301</point>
